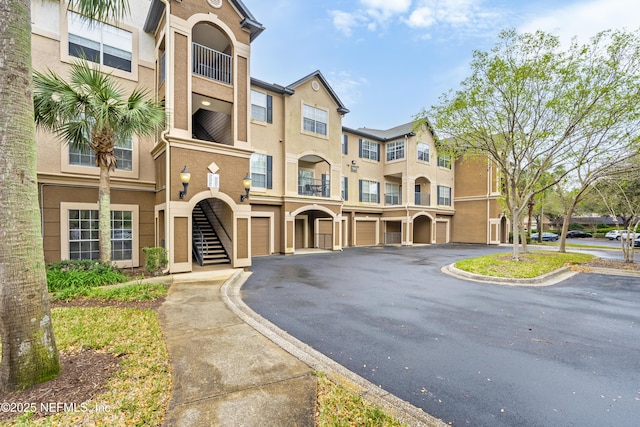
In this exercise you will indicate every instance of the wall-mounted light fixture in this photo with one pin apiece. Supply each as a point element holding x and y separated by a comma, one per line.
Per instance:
<point>354,166</point>
<point>246,182</point>
<point>185,177</point>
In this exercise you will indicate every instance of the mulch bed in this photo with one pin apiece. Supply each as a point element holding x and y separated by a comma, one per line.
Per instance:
<point>616,265</point>
<point>82,375</point>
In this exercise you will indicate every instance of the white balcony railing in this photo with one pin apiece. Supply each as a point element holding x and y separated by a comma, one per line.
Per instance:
<point>212,64</point>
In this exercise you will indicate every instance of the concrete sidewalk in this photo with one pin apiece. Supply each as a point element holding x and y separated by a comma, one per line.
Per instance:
<point>224,372</point>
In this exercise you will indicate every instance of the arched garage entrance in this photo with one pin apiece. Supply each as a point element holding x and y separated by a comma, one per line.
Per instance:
<point>312,227</point>
<point>422,230</point>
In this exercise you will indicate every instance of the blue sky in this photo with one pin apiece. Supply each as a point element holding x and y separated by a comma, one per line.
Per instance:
<point>388,59</point>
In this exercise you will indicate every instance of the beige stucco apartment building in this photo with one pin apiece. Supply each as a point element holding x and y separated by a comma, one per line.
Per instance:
<point>314,182</point>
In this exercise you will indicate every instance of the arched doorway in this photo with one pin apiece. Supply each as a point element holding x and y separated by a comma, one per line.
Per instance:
<point>313,230</point>
<point>422,230</point>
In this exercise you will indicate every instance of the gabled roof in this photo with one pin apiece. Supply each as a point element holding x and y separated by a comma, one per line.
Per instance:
<point>341,108</point>
<point>272,87</point>
<point>384,135</point>
<point>156,10</point>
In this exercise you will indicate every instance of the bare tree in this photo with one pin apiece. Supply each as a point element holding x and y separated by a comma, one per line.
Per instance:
<point>529,106</point>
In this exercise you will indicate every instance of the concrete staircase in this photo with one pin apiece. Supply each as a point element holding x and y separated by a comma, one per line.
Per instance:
<point>206,245</point>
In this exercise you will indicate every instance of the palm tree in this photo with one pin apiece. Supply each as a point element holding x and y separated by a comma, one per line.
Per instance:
<point>91,112</point>
<point>29,352</point>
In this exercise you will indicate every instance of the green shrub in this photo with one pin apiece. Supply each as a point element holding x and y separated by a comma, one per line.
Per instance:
<point>77,274</point>
<point>155,259</point>
<point>576,226</point>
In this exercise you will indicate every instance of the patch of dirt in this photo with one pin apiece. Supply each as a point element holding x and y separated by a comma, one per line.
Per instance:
<point>82,376</point>
<point>616,265</point>
<point>93,302</point>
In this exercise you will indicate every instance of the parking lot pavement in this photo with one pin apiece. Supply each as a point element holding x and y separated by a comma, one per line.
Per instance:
<point>468,353</point>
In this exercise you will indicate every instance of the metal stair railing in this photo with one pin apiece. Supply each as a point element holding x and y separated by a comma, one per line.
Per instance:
<point>198,243</point>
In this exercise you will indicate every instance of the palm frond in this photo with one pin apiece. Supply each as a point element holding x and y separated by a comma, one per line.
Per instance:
<point>101,10</point>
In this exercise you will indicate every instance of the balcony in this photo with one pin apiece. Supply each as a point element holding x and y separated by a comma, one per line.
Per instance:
<point>211,64</point>
<point>423,199</point>
<point>392,199</point>
<point>314,187</point>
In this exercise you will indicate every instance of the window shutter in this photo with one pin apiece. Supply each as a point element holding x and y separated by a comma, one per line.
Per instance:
<point>325,185</point>
<point>345,144</point>
<point>378,195</point>
<point>269,171</point>
<point>346,188</point>
<point>378,150</point>
<point>360,147</point>
<point>360,190</point>
<point>269,110</point>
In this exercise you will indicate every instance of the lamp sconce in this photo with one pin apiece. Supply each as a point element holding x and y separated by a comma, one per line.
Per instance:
<point>354,167</point>
<point>185,177</point>
<point>246,182</point>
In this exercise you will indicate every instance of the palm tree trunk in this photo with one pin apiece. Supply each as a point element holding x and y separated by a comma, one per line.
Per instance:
<point>29,353</point>
<point>104,214</point>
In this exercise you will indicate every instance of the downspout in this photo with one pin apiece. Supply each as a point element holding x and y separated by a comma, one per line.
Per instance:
<point>406,190</point>
<point>168,84</point>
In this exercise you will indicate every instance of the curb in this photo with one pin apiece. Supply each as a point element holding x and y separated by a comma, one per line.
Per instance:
<point>403,411</point>
<point>547,279</point>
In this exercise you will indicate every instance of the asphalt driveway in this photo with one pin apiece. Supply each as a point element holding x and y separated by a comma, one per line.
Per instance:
<point>466,352</point>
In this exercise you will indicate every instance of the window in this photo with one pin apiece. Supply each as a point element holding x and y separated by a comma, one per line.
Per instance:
<point>395,150</point>
<point>444,161</point>
<point>261,170</point>
<point>123,153</point>
<point>345,144</point>
<point>444,195</point>
<point>99,42</point>
<point>369,191</point>
<point>369,150</point>
<point>162,71</point>
<point>423,152</point>
<point>261,106</point>
<point>314,120</point>
<point>392,194</point>
<point>83,235</point>
<point>344,188</point>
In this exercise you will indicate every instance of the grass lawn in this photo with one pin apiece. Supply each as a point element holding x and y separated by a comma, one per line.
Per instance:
<point>116,323</point>
<point>530,265</point>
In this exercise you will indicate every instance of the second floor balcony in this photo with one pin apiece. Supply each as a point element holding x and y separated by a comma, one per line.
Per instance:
<point>314,187</point>
<point>212,64</point>
<point>423,199</point>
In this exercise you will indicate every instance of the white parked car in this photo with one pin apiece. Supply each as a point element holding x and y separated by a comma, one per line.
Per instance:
<point>623,235</point>
<point>613,234</point>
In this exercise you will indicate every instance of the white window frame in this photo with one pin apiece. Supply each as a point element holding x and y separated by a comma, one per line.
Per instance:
<point>391,193</point>
<point>395,150</point>
<point>444,195</point>
<point>65,207</point>
<point>370,150</point>
<point>444,161</point>
<point>423,148</point>
<point>372,192</point>
<point>134,49</point>
<point>92,169</point>
<point>255,168</point>
<point>88,158</point>
<point>258,105</point>
<point>312,118</point>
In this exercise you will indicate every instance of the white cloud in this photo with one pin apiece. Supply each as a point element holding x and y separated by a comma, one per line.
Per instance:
<point>422,17</point>
<point>344,22</point>
<point>386,8</point>
<point>584,19</point>
<point>348,88</point>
